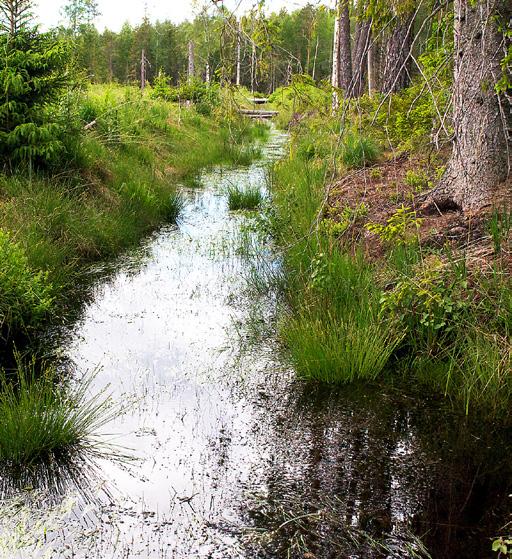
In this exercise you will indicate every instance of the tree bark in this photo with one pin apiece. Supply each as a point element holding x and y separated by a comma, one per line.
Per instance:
<point>361,47</point>
<point>191,61</point>
<point>373,65</point>
<point>480,157</point>
<point>335,74</point>
<point>397,61</point>
<point>345,52</point>
<point>238,52</point>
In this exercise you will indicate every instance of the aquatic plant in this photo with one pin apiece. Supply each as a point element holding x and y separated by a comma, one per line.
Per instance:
<point>244,198</point>
<point>42,417</point>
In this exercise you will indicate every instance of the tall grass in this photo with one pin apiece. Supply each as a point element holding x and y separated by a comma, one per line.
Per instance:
<point>443,324</point>
<point>332,328</point>
<point>359,151</point>
<point>244,198</point>
<point>41,419</point>
<point>355,347</point>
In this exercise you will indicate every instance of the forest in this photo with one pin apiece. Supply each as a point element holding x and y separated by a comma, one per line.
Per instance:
<point>255,280</point>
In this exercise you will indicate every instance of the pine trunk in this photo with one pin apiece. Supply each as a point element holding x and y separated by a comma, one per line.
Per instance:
<point>360,61</point>
<point>345,53</point>
<point>480,158</point>
<point>396,73</point>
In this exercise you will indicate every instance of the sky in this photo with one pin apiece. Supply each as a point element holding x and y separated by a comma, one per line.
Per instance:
<point>115,12</point>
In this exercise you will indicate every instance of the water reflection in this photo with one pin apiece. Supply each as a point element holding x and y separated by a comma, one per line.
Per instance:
<point>372,472</point>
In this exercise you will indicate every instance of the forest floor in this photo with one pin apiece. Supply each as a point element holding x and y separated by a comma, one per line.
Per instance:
<point>386,187</point>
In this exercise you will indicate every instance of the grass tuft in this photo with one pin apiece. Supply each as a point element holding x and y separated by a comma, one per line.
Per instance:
<point>41,418</point>
<point>340,351</point>
<point>244,199</point>
<point>359,151</point>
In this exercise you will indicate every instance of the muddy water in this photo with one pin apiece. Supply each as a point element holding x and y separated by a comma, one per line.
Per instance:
<point>229,456</point>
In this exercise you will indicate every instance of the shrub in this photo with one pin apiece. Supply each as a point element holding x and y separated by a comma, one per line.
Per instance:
<point>430,303</point>
<point>205,96</point>
<point>400,229</point>
<point>25,296</point>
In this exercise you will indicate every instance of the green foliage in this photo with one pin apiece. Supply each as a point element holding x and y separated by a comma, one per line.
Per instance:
<point>359,151</point>
<point>502,546</point>
<point>42,419</point>
<point>418,180</point>
<point>346,217</point>
<point>25,295</point>
<point>33,78</point>
<point>401,228</point>
<point>205,96</point>
<point>244,199</point>
<point>430,303</point>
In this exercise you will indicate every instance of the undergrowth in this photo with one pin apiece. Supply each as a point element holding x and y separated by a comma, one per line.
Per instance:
<point>417,313</point>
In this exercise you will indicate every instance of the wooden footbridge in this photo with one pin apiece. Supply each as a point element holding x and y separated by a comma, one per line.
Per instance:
<point>257,112</point>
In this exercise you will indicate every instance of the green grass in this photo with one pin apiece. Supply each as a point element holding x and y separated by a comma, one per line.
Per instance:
<point>25,296</point>
<point>41,419</point>
<point>356,347</point>
<point>244,199</point>
<point>359,151</point>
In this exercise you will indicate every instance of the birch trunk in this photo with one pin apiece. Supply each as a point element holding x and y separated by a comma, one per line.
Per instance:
<point>191,61</point>
<point>238,52</point>
<point>335,74</point>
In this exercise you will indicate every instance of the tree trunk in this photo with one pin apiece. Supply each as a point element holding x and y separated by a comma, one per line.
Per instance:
<point>396,74</point>
<point>480,157</point>
<point>238,52</point>
<point>335,74</point>
<point>373,65</point>
<point>314,60</point>
<point>345,56</point>
<point>361,46</point>
<point>143,70</point>
<point>253,66</point>
<point>191,61</point>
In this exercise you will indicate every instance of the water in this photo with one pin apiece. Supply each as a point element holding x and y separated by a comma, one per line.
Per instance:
<point>230,456</point>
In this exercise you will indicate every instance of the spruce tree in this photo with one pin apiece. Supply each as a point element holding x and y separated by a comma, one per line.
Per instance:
<point>33,77</point>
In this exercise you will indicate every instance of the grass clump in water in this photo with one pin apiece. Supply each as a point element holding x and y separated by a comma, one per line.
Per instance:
<point>244,199</point>
<point>41,418</point>
<point>338,351</point>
